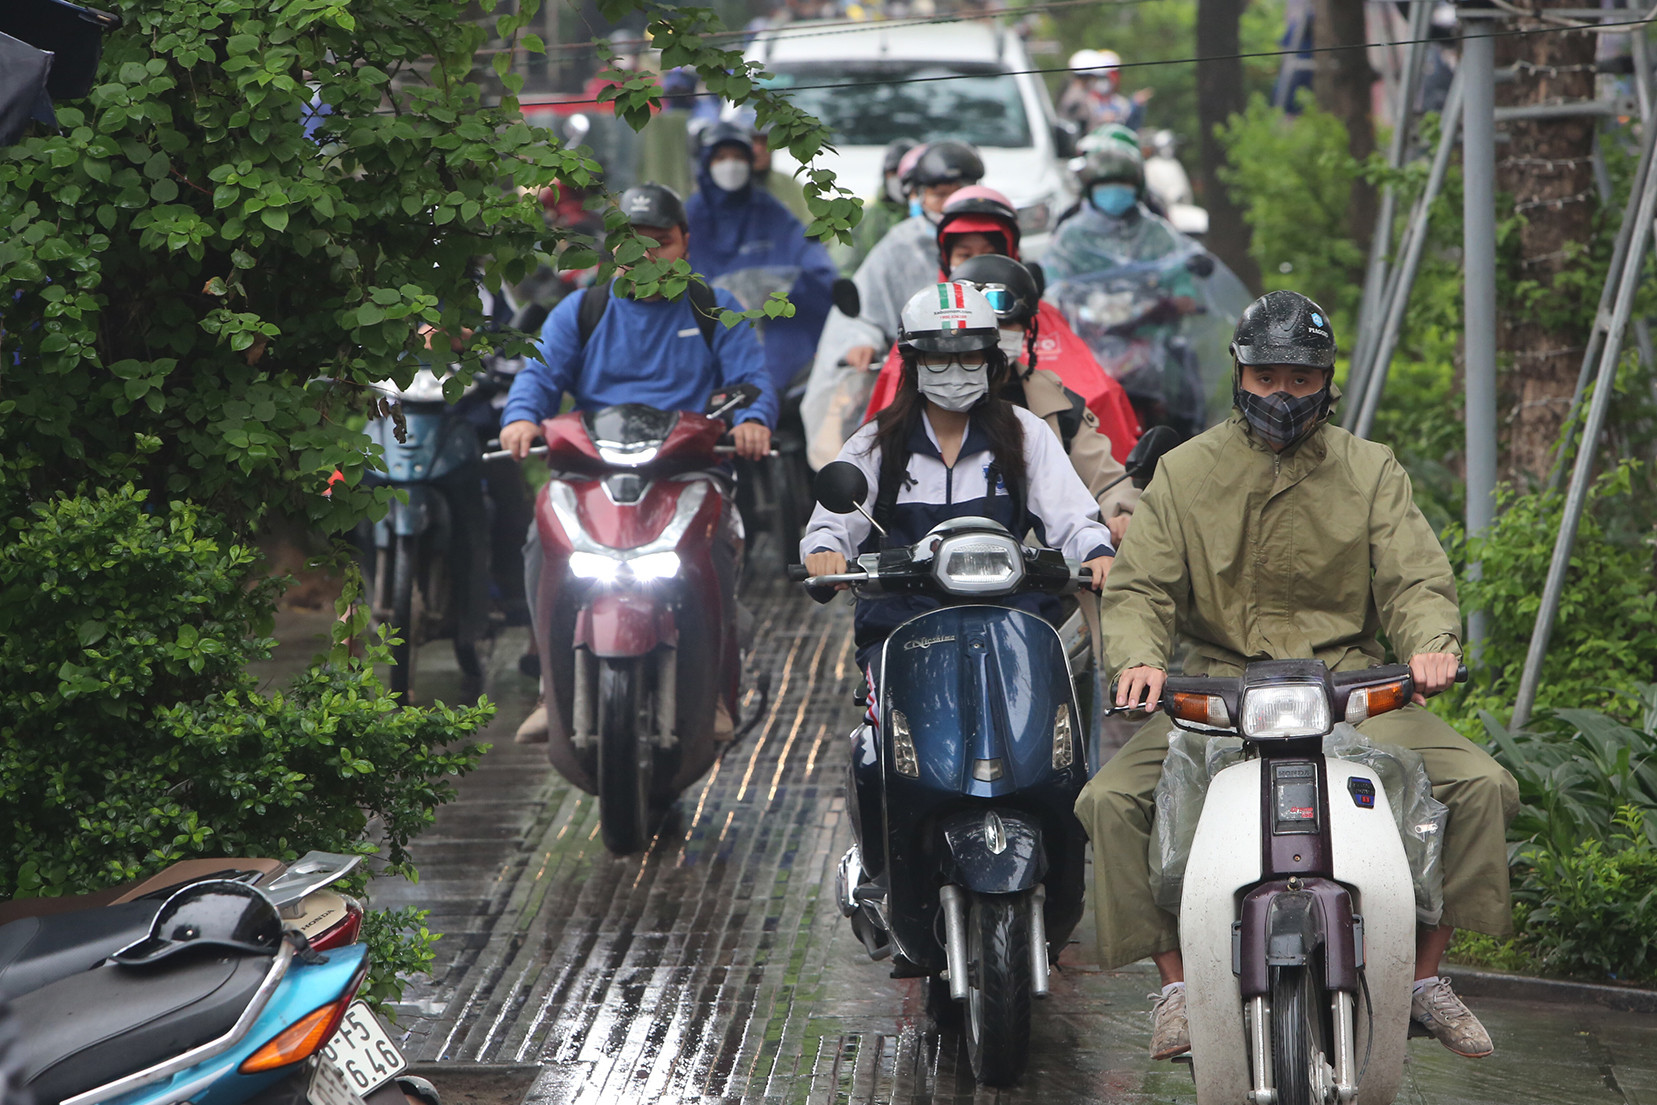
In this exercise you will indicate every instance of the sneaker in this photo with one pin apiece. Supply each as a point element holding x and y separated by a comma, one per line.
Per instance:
<point>1436,1008</point>
<point>534,728</point>
<point>724,727</point>
<point>1170,1032</point>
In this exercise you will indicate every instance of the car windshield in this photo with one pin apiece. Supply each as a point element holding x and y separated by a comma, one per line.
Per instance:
<point>872,105</point>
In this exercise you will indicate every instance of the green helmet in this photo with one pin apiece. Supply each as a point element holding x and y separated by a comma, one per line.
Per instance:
<point>1109,132</point>
<point>1110,161</point>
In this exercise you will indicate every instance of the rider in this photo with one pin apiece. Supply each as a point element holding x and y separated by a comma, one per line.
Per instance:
<point>950,446</point>
<point>1279,536</point>
<point>1113,226</point>
<point>889,207</point>
<point>734,225</point>
<point>648,350</point>
<point>1093,96</point>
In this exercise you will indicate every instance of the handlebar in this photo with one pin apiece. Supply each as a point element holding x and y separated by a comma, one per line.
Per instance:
<point>541,451</point>
<point>1109,710</point>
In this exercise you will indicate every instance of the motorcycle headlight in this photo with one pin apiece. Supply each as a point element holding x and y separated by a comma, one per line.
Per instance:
<point>1286,710</point>
<point>607,569</point>
<point>594,566</point>
<point>656,565</point>
<point>978,564</point>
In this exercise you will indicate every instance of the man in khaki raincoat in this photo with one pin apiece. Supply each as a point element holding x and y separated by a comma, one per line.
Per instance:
<point>1279,536</point>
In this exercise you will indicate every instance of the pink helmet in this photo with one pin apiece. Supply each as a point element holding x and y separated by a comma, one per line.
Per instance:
<point>906,166</point>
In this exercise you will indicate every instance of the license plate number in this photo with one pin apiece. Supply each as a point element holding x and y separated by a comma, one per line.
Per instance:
<point>361,1057</point>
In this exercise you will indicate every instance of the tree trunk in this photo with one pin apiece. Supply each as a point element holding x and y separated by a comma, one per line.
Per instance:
<point>1342,82</point>
<point>1219,95</point>
<point>1547,169</point>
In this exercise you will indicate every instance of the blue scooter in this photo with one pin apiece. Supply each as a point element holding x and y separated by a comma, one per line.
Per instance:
<point>968,869</point>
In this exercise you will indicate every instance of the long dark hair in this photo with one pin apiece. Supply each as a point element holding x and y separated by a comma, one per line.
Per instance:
<point>993,414</point>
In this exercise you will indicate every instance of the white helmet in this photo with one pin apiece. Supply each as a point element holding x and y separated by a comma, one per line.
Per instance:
<point>1108,61</point>
<point>948,318</point>
<point>1083,61</point>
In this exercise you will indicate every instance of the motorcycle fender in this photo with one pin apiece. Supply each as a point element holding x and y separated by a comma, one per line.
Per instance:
<point>415,516</point>
<point>1369,860</point>
<point>619,624</point>
<point>1225,859</point>
<point>993,852</point>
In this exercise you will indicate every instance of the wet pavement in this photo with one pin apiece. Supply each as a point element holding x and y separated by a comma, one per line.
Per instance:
<point>715,967</point>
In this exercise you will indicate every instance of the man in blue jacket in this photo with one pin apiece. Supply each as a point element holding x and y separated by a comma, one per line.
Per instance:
<point>654,351</point>
<point>736,226</point>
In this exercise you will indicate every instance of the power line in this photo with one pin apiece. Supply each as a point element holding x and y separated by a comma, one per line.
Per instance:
<point>1513,33</point>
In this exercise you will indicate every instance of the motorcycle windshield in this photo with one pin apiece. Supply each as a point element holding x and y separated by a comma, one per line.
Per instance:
<point>753,286</point>
<point>981,690</point>
<point>1160,328</point>
<point>629,427</point>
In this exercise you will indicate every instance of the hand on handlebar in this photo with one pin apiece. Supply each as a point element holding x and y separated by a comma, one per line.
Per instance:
<point>1140,687</point>
<point>1099,567</point>
<point>1433,672</point>
<point>752,440</point>
<point>826,564</point>
<point>860,357</point>
<point>517,437</point>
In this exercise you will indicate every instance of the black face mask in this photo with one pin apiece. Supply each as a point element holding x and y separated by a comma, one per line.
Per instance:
<point>1279,418</point>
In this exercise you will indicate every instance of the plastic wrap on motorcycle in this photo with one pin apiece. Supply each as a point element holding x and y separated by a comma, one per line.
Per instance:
<point>1003,856</point>
<point>433,445</point>
<point>976,685</point>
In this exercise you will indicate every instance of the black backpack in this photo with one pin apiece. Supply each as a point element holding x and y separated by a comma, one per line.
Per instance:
<point>596,299</point>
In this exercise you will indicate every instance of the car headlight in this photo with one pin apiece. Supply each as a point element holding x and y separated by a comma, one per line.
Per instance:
<point>978,564</point>
<point>1288,710</point>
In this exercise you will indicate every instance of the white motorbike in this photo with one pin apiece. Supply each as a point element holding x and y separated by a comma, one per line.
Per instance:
<point>1297,914</point>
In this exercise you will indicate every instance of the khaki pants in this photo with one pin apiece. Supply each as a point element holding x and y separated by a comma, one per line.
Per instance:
<point>1117,805</point>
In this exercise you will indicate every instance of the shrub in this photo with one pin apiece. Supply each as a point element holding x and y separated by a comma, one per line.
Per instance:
<point>1592,910</point>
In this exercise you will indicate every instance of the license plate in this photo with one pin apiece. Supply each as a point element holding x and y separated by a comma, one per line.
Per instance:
<point>360,1059</point>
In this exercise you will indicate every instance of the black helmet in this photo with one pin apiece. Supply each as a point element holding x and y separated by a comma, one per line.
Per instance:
<point>948,162</point>
<point>726,134</point>
<point>1284,328</point>
<point>654,205</point>
<point>1007,284</point>
<point>216,913</point>
<point>895,149</point>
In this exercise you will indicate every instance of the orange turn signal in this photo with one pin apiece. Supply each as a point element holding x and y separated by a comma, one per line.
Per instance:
<point>1201,709</point>
<point>1366,702</point>
<point>300,1040</point>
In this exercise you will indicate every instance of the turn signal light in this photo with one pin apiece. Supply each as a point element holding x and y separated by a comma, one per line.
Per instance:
<point>1064,751</point>
<point>1201,709</point>
<point>306,1036</point>
<point>904,760</point>
<point>1366,702</point>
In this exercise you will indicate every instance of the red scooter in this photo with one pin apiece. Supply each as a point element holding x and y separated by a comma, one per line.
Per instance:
<point>641,540</point>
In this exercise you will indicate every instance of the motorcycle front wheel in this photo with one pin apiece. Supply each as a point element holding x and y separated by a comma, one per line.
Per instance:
<point>407,611</point>
<point>1300,1036</point>
<point>625,754</point>
<point>998,991</point>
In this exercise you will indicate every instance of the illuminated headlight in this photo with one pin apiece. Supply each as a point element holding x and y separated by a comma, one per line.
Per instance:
<point>1293,710</point>
<point>607,569</point>
<point>627,456</point>
<point>1064,750</point>
<point>904,760</point>
<point>656,565</point>
<point>587,565</point>
<point>1035,218</point>
<point>978,564</point>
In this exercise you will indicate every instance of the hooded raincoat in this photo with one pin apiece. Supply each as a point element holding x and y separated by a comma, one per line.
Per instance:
<point>750,229</point>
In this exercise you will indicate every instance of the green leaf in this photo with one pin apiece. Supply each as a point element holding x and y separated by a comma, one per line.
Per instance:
<point>274,217</point>
<point>91,632</point>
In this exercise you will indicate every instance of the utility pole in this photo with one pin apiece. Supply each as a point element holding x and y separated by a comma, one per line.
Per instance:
<point>1478,145</point>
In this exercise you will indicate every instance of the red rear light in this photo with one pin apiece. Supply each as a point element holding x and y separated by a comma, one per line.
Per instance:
<point>345,932</point>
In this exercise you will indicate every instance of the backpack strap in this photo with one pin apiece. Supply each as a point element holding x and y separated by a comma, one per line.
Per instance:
<point>894,473</point>
<point>594,300</point>
<point>1015,494</point>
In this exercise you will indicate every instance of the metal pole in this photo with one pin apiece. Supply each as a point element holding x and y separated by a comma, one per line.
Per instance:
<point>1576,497</point>
<point>1370,305</point>
<point>1478,154</point>
<point>1590,355</point>
<point>1415,240</point>
<point>1642,70</point>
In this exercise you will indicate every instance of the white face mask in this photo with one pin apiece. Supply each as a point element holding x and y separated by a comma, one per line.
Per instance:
<point>730,174</point>
<point>955,388</point>
<point>1012,344</point>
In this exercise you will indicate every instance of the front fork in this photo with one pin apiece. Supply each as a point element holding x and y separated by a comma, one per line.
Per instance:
<point>584,712</point>
<point>1344,1019</point>
<point>956,901</point>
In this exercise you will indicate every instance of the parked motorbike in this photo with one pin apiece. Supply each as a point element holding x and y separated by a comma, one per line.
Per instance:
<point>637,525</point>
<point>1162,328</point>
<point>1298,910</point>
<point>968,866</point>
<point>427,560</point>
<point>115,1002</point>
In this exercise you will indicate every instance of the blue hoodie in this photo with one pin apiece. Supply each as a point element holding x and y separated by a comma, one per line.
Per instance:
<point>746,229</point>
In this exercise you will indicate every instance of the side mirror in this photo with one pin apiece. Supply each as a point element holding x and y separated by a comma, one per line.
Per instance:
<point>841,487</point>
<point>1064,138</point>
<point>1039,275</point>
<point>1152,445</point>
<point>721,403</point>
<point>846,299</point>
<point>1200,265</point>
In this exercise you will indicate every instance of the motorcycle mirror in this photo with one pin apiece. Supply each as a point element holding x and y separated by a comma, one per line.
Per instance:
<point>721,403</point>
<point>849,303</point>
<point>1142,460</point>
<point>1039,275</point>
<point>1200,265</point>
<point>841,487</point>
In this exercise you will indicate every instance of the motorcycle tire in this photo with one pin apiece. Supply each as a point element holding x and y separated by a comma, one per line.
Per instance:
<point>1299,1036</point>
<point>793,504</point>
<point>998,1001</point>
<point>407,612</point>
<point>625,754</point>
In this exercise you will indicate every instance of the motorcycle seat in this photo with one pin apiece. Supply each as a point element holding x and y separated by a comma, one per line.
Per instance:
<point>36,951</point>
<point>99,1025</point>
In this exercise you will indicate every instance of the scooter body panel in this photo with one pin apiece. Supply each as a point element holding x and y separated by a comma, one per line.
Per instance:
<point>979,688</point>
<point>1225,859</point>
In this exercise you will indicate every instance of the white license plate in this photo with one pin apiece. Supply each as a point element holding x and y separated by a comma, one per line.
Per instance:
<point>358,1060</point>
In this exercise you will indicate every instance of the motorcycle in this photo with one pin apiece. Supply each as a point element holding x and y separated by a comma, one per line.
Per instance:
<point>1298,910</point>
<point>968,865</point>
<point>1162,327</point>
<point>637,524</point>
<point>104,1018</point>
<point>427,561</point>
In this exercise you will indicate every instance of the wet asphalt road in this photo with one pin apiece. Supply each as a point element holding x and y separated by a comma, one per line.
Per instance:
<point>715,967</point>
